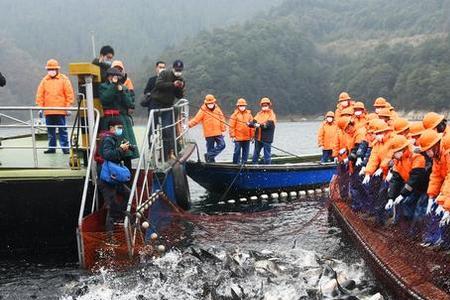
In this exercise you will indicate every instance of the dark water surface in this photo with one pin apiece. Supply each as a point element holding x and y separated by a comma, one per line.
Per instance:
<point>279,251</point>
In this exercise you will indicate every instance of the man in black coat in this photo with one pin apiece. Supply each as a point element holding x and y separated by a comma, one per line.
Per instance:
<point>104,61</point>
<point>160,66</point>
<point>169,87</point>
<point>2,80</point>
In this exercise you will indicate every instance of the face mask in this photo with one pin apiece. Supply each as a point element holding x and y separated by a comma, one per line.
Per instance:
<point>265,108</point>
<point>412,141</point>
<point>119,131</point>
<point>52,73</point>
<point>211,106</point>
<point>177,74</point>
<point>345,103</point>
<point>329,119</point>
<point>108,62</point>
<point>398,155</point>
<point>379,137</point>
<point>242,108</point>
<point>160,70</point>
<point>358,113</point>
<point>377,110</point>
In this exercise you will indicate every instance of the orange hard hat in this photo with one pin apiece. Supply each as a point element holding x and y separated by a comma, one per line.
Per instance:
<point>241,102</point>
<point>265,100</point>
<point>52,64</point>
<point>359,105</point>
<point>380,126</point>
<point>385,112</point>
<point>344,96</point>
<point>371,125</point>
<point>432,119</point>
<point>380,102</point>
<point>117,63</point>
<point>416,128</point>
<point>391,108</point>
<point>209,99</point>
<point>343,122</point>
<point>348,111</point>
<point>398,143</point>
<point>400,125</point>
<point>329,114</point>
<point>428,139</point>
<point>371,116</point>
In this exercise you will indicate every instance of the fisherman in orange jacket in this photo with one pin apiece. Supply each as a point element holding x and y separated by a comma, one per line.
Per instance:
<point>240,132</point>
<point>430,145</point>
<point>327,137</point>
<point>407,185</point>
<point>55,90</point>
<point>435,121</point>
<point>344,101</point>
<point>213,122</point>
<point>380,103</point>
<point>264,124</point>
<point>360,117</point>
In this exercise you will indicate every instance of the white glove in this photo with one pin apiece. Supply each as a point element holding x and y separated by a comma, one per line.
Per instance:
<point>345,161</point>
<point>184,126</point>
<point>233,139</point>
<point>389,176</point>
<point>358,161</point>
<point>366,179</point>
<point>257,125</point>
<point>445,219</point>
<point>439,210</point>
<point>389,205</point>
<point>362,172</point>
<point>399,200</point>
<point>430,205</point>
<point>342,151</point>
<point>336,160</point>
<point>378,172</point>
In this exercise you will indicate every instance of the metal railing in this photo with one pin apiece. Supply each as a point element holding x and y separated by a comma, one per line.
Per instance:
<point>36,126</point>
<point>153,157</point>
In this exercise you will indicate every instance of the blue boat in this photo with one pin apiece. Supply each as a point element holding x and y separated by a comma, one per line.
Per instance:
<point>287,173</point>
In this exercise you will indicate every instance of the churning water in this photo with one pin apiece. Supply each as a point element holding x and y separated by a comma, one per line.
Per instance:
<point>290,250</point>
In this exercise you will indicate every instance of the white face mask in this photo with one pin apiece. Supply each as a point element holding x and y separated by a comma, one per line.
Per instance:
<point>329,119</point>
<point>358,113</point>
<point>377,110</point>
<point>379,137</point>
<point>345,103</point>
<point>242,108</point>
<point>265,108</point>
<point>177,73</point>
<point>52,73</point>
<point>210,106</point>
<point>398,155</point>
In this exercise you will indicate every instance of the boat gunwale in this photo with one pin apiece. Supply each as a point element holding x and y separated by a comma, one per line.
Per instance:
<point>264,167</point>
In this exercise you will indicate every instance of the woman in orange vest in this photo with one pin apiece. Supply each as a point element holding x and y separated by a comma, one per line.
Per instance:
<point>327,137</point>
<point>55,90</point>
<point>264,124</point>
<point>213,123</point>
<point>240,133</point>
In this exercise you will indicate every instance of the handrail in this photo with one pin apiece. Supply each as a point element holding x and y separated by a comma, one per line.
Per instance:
<point>156,138</point>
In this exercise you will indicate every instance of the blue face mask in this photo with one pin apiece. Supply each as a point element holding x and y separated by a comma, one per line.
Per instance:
<point>119,131</point>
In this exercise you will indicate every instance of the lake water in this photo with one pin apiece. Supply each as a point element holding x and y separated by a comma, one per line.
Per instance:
<point>284,251</point>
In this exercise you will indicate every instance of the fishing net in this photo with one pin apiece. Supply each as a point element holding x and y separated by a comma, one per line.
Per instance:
<point>393,240</point>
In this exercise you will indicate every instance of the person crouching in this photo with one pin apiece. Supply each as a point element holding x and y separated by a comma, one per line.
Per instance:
<point>240,133</point>
<point>213,122</point>
<point>264,124</point>
<point>113,149</point>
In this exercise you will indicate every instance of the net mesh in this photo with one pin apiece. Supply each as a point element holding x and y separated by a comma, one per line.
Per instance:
<point>393,240</point>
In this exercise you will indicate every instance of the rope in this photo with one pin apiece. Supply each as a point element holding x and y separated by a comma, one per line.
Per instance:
<point>232,183</point>
<point>227,124</point>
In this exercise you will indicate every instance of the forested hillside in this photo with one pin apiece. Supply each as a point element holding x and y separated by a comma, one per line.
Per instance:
<point>301,53</point>
<point>304,52</point>
<point>139,30</point>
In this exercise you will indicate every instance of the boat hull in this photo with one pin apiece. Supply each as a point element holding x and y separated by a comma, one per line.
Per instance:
<point>39,217</point>
<point>391,257</point>
<point>234,179</point>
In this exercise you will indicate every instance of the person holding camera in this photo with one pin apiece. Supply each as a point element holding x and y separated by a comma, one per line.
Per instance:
<point>114,148</point>
<point>118,64</point>
<point>169,87</point>
<point>117,101</point>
